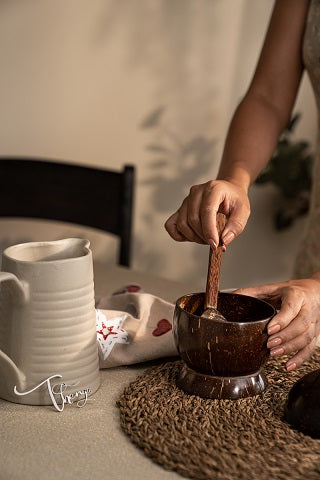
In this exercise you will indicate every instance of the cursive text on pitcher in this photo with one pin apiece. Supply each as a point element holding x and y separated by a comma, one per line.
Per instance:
<point>58,390</point>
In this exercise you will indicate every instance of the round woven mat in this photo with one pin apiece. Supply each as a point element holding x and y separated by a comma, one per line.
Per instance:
<point>227,439</point>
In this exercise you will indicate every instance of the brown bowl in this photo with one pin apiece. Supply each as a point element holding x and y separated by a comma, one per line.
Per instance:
<point>222,359</point>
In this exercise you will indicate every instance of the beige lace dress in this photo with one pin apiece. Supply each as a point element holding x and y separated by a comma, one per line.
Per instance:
<point>308,258</point>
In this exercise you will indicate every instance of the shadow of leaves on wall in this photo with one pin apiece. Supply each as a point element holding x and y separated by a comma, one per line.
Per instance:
<point>175,163</point>
<point>174,47</point>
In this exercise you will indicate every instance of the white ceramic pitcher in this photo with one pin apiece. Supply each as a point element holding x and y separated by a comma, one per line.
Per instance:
<point>47,320</point>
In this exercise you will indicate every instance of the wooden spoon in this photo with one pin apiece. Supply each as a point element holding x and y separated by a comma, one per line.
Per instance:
<point>213,277</point>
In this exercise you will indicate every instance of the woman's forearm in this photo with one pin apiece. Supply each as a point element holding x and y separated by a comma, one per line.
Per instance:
<point>253,134</point>
<point>266,108</point>
<point>251,140</point>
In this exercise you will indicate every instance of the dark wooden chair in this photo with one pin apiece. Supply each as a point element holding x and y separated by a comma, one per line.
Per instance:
<point>93,197</point>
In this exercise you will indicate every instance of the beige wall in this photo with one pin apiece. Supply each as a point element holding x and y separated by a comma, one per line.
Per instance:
<point>147,82</point>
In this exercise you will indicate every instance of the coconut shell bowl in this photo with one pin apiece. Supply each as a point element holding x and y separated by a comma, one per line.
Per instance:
<point>222,359</point>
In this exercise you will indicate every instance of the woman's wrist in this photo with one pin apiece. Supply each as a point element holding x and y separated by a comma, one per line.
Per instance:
<point>238,176</point>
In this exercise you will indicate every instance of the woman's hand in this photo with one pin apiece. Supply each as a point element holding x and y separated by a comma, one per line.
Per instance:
<point>195,220</point>
<point>295,329</point>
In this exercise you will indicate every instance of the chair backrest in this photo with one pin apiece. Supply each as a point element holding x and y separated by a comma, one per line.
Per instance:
<point>93,197</point>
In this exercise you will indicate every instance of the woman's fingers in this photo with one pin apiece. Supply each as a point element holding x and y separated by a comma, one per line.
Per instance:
<point>302,345</point>
<point>302,331</point>
<point>261,291</point>
<point>232,201</point>
<point>178,227</point>
<point>212,198</point>
<point>286,343</point>
<point>193,203</point>
<point>236,222</point>
<point>171,227</point>
<point>271,293</point>
<point>291,304</point>
<point>294,330</point>
<point>302,325</point>
<point>196,218</point>
<point>301,356</point>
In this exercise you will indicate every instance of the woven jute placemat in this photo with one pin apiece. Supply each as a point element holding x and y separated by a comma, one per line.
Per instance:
<point>243,439</point>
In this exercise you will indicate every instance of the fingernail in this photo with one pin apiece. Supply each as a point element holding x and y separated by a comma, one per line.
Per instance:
<point>273,329</point>
<point>277,351</point>
<point>291,366</point>
<point>212,244</point>
<point>274,342</point>
<point>228,237</point>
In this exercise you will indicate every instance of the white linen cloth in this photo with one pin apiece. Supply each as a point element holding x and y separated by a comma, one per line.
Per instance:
<point>133,327</point>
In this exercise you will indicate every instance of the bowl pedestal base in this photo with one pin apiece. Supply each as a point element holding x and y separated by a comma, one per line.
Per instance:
<point>214,387</point>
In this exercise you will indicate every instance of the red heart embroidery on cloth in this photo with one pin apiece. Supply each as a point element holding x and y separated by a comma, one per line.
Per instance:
<point>163,326</point>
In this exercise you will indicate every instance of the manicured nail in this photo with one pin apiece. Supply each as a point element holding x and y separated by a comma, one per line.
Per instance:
<point>212,244</point>
<point>273,329</point>
<point>274,342</point>
<point>291,366</point>
<point>277,351</point>
<point>228,237</point>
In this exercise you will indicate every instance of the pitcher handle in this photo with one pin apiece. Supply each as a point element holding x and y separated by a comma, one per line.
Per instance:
<point>17,292</point>
<point>20,289</point>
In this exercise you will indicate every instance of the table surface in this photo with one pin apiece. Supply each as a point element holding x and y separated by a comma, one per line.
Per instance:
<point>38,442</point>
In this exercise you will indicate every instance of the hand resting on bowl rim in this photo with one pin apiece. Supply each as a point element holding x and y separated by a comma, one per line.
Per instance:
<point>296,328</point>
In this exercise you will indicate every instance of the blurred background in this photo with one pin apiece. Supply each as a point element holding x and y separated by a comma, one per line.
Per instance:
<point>152,83</point>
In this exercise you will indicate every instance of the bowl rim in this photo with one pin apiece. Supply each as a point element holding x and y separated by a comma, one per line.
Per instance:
<point>227,292</point>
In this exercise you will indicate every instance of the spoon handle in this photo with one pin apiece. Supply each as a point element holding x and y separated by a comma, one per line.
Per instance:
<point>213,277</point>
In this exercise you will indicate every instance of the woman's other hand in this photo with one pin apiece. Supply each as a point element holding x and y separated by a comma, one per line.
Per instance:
<point>295,329</point>
<point>195,220</point>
